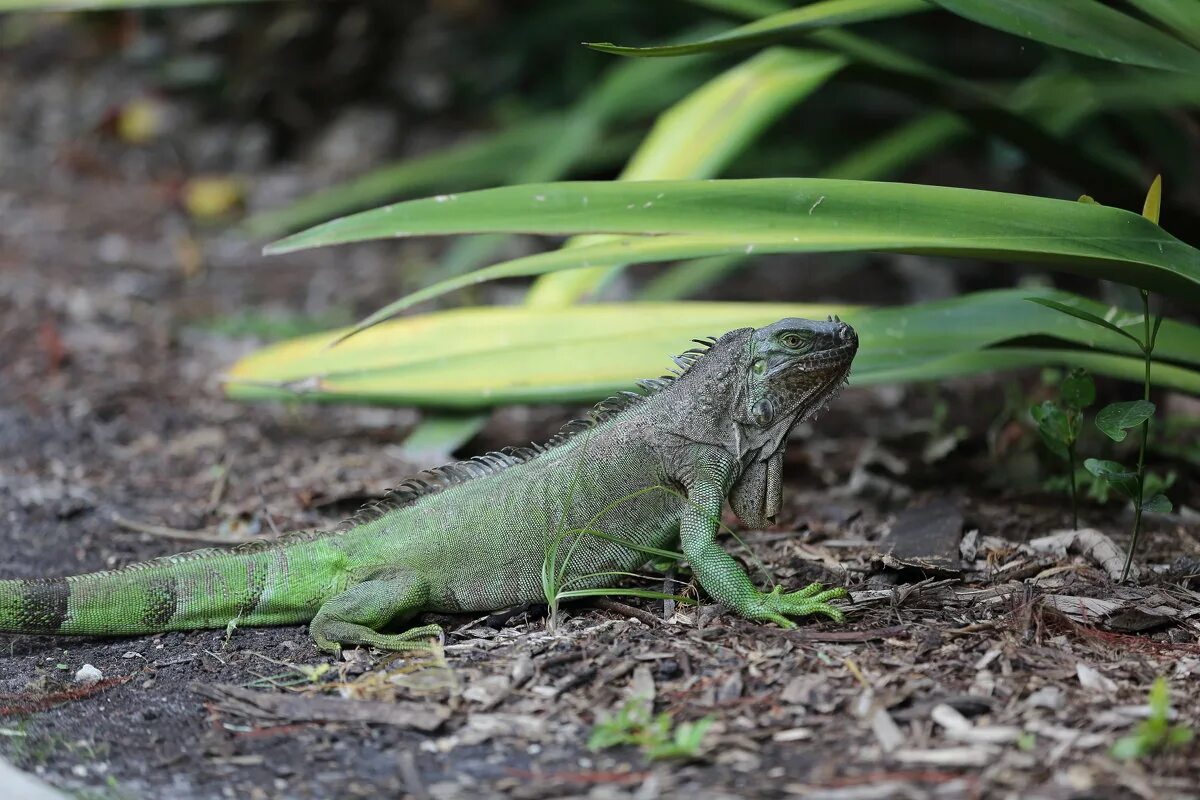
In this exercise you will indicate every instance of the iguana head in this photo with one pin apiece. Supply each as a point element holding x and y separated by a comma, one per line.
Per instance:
<point>793,368</point>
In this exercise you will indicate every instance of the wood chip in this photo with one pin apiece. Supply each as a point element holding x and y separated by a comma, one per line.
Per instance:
<point>948,756</point>
<point>1089,543</point>
<point>959,727</point>
<point>1090,678</point>
<point>1082,609</point>
<point>288,708</point>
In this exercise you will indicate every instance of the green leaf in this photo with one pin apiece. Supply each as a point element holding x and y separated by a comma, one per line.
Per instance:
<point>437,436</point>
<point>1128,748</point>
<point>1159,699</point>
<point>1082,26</point>
<point>777,27</point>
<point>899,147</point>
<point>1158,321</point>
<point>698,218</point>
<point>1084,315</point>
<point>1115,474</point>
<point>1179,735</point>
<point>1150,209</point>
<point>1053,427</point>
<point>1078,390</point>
<point>1116,419</point>
<point>1159,504</point>
<point>480,357</point>
<point>1181,16</point>
<point>701,134</point>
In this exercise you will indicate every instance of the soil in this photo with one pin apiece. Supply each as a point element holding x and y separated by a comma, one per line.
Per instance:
<point>976,660</point>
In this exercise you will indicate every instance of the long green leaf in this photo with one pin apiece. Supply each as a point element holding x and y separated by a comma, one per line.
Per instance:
<point>478,357</point>
<point>898,70</point>
<point>779,27</point>
<point>1083,26</point>
<point>701,134</point>
<point>701,218</point>
<point>1086,316</point>
<point>1181,16</point>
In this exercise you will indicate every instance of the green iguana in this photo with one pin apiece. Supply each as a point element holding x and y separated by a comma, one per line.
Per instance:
<point>651,467</point>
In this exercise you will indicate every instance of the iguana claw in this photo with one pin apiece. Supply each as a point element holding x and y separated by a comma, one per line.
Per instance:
<point>775,606</point>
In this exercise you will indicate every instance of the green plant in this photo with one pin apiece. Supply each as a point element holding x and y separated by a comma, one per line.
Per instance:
<point>1116,419</point>
<point>556,585</point>
<point>1060,424</point>
<point>635,723</point>
<point>1156,732</point>
<point>717,230</point>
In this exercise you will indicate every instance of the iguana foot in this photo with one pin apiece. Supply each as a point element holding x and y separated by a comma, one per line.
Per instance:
<point>776,606</point>
<point>334,634</point>
<point>356,616</point>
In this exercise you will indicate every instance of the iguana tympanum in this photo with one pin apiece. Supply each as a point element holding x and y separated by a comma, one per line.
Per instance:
<point>652,467</point>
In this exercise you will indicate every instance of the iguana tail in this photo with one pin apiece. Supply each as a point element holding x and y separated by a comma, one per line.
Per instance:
<point>275,584</point>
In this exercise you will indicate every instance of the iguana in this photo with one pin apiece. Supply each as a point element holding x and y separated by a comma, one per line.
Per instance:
<point>652,467</point>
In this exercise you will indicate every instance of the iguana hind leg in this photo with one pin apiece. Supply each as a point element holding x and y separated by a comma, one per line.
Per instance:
<point>357,615</point>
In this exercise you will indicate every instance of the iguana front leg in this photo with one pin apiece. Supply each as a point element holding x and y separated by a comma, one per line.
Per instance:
<point>355,616</point>
<point>721,576</point>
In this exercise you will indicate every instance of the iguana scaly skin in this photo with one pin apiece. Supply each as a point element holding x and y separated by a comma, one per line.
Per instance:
<point>653,468</point>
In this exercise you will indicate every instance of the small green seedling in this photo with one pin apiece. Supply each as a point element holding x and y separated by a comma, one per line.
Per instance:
<point>636,724</point>
<point>1117,419</point>
<point>1156,732</point>
<point>1060,425</point>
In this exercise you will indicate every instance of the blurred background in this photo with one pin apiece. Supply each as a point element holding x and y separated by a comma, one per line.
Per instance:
<point>148,153</point>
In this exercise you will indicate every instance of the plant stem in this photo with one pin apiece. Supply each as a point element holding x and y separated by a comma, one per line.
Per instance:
<point>1074,491</point>
<point>1141,465</point>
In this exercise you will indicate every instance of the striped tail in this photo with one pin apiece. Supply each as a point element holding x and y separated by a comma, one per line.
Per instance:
<point>271,584</point>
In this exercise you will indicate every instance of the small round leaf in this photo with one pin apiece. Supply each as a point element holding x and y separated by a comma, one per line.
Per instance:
<point>1159,504</point>
<point>1114,420</point>
<point>1119,478</point>
<point>1053,426</point>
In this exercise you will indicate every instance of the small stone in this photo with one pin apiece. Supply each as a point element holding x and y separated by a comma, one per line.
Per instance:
<point>88,675</point>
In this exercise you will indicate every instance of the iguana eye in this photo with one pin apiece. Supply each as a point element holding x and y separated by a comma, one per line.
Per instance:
<point>759,366</point>
<point>793,341</point>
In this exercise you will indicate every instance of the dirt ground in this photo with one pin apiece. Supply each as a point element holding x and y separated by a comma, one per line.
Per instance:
<point>981,658</point>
